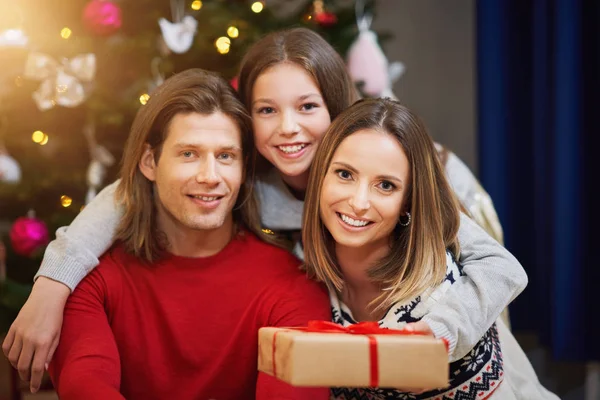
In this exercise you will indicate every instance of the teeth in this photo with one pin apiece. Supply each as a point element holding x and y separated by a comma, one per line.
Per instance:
<point>291,149</point>
<point>353,222</point>
<point>204,198</point>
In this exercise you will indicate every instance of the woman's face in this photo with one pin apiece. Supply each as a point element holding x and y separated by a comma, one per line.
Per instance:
<point>364,190</point>
<point>289,117</point>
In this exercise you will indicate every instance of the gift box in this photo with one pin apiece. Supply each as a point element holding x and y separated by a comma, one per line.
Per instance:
<point>325,354</point>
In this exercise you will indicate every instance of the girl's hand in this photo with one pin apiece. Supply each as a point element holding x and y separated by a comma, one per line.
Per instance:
<point>34,335</point>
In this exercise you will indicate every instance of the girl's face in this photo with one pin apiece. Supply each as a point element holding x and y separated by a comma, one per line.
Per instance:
<point>364,190</point>
<point>289,117</point>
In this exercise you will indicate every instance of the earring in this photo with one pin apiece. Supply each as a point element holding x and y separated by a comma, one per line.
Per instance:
<point>407,223</point>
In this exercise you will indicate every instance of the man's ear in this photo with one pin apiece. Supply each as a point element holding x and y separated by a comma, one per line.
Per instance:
<point>147,164</point>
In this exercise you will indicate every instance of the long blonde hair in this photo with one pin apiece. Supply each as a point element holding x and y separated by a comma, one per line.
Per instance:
<point>417,259</point>
<point>191,91</point>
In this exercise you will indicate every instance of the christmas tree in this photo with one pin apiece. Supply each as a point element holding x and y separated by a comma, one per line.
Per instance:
<point>73,75</point>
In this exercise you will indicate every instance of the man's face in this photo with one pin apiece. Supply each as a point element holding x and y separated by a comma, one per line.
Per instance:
<point>198,174</point>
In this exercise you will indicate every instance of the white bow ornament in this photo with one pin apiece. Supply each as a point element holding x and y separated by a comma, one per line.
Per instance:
<point>179,36</point>
<point>62,83</point>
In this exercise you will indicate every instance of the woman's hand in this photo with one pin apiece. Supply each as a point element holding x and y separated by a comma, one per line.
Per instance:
<point>34,335</point>
<point>420,327</point>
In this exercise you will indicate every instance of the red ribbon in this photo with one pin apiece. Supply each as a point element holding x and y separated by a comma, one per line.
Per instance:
<point>362,328</point>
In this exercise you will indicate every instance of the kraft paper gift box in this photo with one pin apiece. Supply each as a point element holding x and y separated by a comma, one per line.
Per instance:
<point>328,355</point>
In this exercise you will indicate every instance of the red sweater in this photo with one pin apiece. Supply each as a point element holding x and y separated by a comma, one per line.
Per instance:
<point>184,328</point>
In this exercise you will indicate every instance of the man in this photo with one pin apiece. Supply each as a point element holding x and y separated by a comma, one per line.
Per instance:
<point>173,309</point>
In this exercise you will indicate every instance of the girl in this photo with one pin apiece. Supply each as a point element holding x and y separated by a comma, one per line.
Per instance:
<point>294,84</point>
<point>384,240</point>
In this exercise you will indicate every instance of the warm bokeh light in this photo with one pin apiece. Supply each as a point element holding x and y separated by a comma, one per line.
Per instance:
<point>44,140</point>
<point>318,6</point>
<point>233,32</point>
<point>196,5</point>
<point>65,33</point>
<point>11,15</point>
<point>144,98</point>
<point>257,6</point>
<point>38,136</point>
<point>223,44</point>
<point>66,201</point>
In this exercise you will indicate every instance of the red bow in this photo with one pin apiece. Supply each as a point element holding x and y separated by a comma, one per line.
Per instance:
<point>362,328</point>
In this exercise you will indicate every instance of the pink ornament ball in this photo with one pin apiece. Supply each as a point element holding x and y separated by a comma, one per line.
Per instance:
<point>234,82</point>
<point>102,17</point>
<point>28,235</point>
<point>326,19</point>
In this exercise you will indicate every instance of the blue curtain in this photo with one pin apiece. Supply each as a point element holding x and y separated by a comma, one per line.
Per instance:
<point>539,111</point>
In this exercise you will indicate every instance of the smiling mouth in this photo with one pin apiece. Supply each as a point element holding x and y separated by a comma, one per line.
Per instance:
<point>355,223</point>
<point>292,149</point>
<point>206,198</point>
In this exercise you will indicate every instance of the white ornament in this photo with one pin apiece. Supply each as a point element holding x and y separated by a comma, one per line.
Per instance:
<point>61,82</point>
<point>13,38</point>
<point>101,160</point>
<point>158,78</point>
<point>179,36</point>
<point>95,175</point>
<point>10,171</point>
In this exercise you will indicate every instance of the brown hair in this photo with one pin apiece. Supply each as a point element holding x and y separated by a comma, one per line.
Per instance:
<point>308,50</point>
<point>417,260</point>
<point>191,91</point>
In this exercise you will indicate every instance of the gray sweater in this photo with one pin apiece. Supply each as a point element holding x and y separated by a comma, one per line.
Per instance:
<point>493,276</point>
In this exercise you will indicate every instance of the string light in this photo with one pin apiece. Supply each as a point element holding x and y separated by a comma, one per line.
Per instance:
<point>233,32</point>
<point>65,201</point>
<point>38,136</point>
<point>257,6</point>
<point>196,5</point>
<point>144,98</point>
<point>223,44</point>
<point>65,33</point>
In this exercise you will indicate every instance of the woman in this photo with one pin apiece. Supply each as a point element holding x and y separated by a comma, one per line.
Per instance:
<point>384,241</point>
<point>293,85</point>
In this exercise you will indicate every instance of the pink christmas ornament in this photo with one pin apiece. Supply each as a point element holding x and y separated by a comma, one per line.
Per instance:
<point>368,65</point>
<point>326,19</point>
<point>28,235</point>
<point>102,17</point>
<point>234,82</point>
